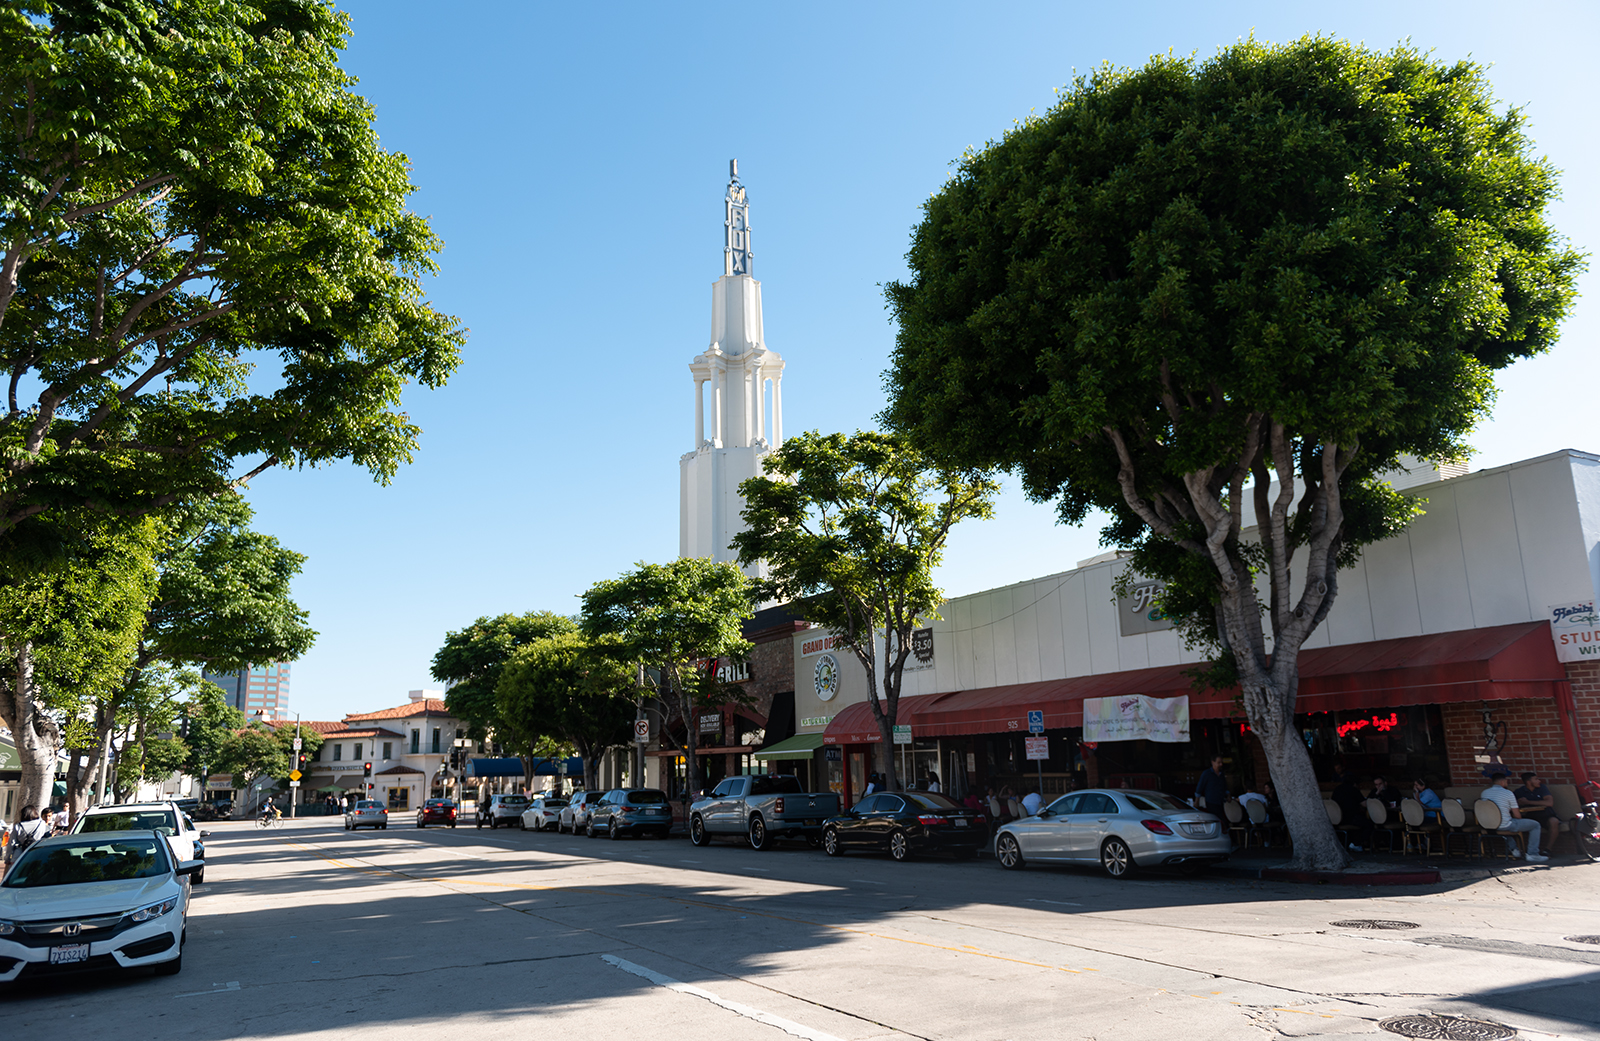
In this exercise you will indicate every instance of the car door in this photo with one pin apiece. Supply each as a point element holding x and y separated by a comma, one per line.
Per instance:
<point>881,821</point>
<point>854,830</point>
<point>1092,820</point>
<point>1044,836</point>
<point>719,813</point>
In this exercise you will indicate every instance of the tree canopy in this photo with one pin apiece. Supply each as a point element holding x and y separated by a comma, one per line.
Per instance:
<point>472,658</point>
<point>1212,296</point>
<point>854,525</point>
<point>568,690</point>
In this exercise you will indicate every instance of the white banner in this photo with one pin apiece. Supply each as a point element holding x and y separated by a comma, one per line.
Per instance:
<point>1575,628</point>
<point>1135,717</point>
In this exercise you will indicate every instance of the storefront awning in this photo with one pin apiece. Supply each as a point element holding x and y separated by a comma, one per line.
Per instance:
<point>507,767</point>
<point>672,753</point>
<point>854,725</point>
<point>1490,664</point>
<point>572,766</point>
<point>800,746</point>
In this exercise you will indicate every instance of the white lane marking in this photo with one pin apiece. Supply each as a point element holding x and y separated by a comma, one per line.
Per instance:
<point>785,1025</point>
<point>682,861</point>
<point>1063,903</point>
<point>221,988</point>
<point>870,882</point>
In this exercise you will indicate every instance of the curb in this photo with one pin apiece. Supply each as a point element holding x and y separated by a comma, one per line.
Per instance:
<point>1429,876</point>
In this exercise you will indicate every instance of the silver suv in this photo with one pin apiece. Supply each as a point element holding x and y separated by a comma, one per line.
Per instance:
<point>502,809</point>
<point>574,817</point>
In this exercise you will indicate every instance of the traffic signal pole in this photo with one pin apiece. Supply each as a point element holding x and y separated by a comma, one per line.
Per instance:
<point>297,760</point>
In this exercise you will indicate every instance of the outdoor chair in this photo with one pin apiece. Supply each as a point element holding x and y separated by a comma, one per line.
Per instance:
<point>1418,827</point>
<point>1237,825</point>
<point>1378,813</point>
<point>1488,815</point>
<point>1260,823</point>
<point>1454,817</point>
<point>1336,818</point>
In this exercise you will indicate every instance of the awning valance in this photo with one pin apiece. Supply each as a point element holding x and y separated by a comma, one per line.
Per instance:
<point>854,725</point>
<point>506,767</point>
<point>800,746</point>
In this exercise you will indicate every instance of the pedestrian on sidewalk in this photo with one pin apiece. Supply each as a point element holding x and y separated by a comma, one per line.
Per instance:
<point>30,828</point>
<point>1211,790</point>
<point>1511,820</point>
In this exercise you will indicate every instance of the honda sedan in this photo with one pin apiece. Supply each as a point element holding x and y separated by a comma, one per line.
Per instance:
<point>903,823</point>
<point>1118,829</point>
<point>105,900</point>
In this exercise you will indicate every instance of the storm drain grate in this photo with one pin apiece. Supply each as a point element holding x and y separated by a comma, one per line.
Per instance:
<point>1446,1028</point>
<point>1372,923</point>
<point>1584,939</point>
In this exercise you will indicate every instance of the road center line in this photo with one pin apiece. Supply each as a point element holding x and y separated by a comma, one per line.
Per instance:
<point>785,1025</point>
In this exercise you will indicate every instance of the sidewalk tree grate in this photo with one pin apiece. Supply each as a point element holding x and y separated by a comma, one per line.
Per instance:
<point>1446,1028</point>
<point>1372,923</point>
<point>1584,939</point>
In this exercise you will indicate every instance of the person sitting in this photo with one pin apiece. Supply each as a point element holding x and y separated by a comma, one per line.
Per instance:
<point>1251,795</point>
<point>1352,806</point>
<point>1387,794</point>
<point>996,810</point>
<point>1032,803</point>
<point>1537,804</point>
<point>1422,791</point>
<point>1511,819</point>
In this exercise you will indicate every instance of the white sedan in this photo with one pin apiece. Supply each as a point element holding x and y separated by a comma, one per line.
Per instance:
<point>1119,829</point>
<point>188,842</point>
<point>111,899</point>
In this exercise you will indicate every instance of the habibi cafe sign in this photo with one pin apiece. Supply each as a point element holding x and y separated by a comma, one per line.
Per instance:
<point>1575,628</point>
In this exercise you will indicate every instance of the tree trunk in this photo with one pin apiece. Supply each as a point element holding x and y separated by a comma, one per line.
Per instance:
<point>1316,844</point>
<point>36,735</point>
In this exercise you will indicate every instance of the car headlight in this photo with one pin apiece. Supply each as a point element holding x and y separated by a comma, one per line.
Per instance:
<point>7,928</point>
<point>144,914</point>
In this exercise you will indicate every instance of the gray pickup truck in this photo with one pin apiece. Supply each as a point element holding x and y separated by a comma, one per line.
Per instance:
<point>761,809</point>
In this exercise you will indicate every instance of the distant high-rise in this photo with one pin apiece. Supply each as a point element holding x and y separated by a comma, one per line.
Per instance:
<point>262,689</point>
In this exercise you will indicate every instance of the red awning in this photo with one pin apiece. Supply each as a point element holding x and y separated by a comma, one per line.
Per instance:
<point>854,724</point>
<point>1492,664</point>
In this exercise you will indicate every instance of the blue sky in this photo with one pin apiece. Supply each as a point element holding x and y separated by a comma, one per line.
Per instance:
<point>573,158</point>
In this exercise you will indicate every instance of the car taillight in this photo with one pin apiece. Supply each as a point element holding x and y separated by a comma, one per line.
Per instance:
<point>777,807</point>
<point>934,820</point>
<point>1157,827</point>
<point>978,818</point>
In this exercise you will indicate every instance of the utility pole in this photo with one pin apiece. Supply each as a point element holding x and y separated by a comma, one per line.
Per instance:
<point>295,783</point>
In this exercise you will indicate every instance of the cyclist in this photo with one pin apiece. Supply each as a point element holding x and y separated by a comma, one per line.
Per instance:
<point>269,813</point>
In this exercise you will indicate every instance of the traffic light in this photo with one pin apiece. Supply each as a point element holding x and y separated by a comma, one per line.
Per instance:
<point>368,769</point>
<point>302,759</point>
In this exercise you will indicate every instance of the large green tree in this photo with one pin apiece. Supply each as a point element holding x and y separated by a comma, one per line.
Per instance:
<point>472,659</point>
<point>1219,299</point>
<point>567,689</point>
<point>207,267</point>
<point>674,617</point>
<point>855,524</point>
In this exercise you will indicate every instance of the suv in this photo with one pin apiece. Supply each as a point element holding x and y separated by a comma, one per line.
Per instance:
<point>575,815</point>
<point>635,810</point>
<point>502,809</point>
<point>187,841</point>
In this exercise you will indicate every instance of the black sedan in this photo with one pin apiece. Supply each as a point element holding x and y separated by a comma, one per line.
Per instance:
<point>903,823</point>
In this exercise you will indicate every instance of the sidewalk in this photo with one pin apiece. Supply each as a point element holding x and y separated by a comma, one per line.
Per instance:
<point>1385,869</point>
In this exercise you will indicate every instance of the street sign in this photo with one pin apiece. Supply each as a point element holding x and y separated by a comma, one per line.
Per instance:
<point>1036,721</point>
<point>294,775</point>
<point>294,784</point>
<point>297,744</point>
<point>902,735</point>
<point>1038,747</point>
<point>641,730</point>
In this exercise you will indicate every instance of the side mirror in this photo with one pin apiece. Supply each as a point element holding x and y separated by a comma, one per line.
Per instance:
<point>191,867</point>
<point>205,834</point>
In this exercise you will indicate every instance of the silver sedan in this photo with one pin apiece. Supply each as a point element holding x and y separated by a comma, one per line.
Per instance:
<point>1119,829</point>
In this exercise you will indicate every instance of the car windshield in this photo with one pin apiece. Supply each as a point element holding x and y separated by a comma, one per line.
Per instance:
<point>132,820</point>
<point>513,800</point>
<point>932,801</point>
<point>88,861</point>
<point>647,798</point>
<point>369,805</point>
<point>1155,802</point>
<point>554,803</point>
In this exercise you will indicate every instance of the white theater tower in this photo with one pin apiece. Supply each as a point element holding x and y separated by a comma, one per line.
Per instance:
<point>738,391</point>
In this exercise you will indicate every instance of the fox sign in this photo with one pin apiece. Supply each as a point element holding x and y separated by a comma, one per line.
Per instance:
<point>1575,628</point>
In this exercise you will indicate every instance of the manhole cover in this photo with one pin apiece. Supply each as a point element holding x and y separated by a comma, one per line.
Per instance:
<point>1446,1028</point>
<point>1584,939</point>
<point>1373,923</point>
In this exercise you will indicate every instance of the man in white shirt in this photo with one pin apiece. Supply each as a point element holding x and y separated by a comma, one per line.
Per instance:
<point>1032,802</point>
<point>30,829</point>
<point>1511,819</point>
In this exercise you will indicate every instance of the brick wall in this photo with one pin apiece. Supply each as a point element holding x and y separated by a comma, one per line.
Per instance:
<point>1533,733</point>
<point>1585,679</point>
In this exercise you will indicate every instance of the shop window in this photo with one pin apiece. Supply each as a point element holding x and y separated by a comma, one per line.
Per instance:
<point>338,752</point>
<point>356,753</point>
<point>399,798</point>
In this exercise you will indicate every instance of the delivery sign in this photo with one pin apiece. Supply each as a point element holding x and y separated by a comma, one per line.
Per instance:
<point>1575,628</point>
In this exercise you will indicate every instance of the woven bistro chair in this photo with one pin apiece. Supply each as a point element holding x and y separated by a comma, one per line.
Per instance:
<point>1489,820</point>
<point>1237,823</point>
<point>1378,813</point>
<point>1454,817</point>
<point>1418,827</point>
<point>1265,828</point>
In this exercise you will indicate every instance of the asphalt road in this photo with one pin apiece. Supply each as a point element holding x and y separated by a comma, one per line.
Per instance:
<point>307,930</point>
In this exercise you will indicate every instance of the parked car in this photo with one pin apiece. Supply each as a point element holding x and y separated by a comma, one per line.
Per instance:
<point>1119,829</point>
<point>542,812</point>
<point>366,813</point>
<point>502,809</point>
<point>761,808</point>
<point>437,811</point>
<point>95,900</point>
<point>625,811</point>
<point>903,823</point>
<point>574,816</point>
<point>188,842</point>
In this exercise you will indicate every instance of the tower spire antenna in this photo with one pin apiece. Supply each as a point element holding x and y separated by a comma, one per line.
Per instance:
<point>736,253</point>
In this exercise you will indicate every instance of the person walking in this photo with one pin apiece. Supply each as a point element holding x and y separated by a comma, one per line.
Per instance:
<point>1211,790</point>
<point>30,828</point>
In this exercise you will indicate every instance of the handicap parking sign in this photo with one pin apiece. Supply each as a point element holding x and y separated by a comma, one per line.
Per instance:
<point>1036,721</point>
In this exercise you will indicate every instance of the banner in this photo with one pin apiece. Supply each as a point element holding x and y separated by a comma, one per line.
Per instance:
<point>1575,628</point>
<point>1135,717</point>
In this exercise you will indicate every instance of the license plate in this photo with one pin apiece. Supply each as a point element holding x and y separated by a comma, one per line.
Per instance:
<point>1197,829</point>
<point>72,952</point>
<point>958,822</point>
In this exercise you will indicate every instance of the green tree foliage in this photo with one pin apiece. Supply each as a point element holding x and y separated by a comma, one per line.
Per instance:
<point>471,661</point>
<point>209,723</point>
<point>857,524</point>
<point>673,617</point>
<point>1206,295</point>
<point>567,690</point>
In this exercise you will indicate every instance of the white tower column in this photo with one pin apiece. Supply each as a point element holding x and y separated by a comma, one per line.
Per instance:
<point>699,411</point>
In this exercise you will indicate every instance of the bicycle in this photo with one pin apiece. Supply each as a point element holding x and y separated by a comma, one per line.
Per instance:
<point>267,820</point>
<point>1586,829</point>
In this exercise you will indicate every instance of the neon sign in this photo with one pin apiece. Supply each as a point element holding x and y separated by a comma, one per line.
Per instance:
<point>1382,724</point>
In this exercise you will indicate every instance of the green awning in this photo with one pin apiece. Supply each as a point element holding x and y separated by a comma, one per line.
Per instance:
<point>800,746</point>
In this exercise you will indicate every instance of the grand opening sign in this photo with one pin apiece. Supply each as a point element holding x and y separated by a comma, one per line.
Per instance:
<point>1135,717</point>
<point>1575,628</point>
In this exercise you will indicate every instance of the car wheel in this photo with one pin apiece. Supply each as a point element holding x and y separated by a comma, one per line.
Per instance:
<point>899,848</point>
<point>813,840</point>
<point>522,825</point>
<point>173,967</point>
<point>384,826</point>
<point>697,832</point>
<point>615,832</point>
<point>758,833</point>
<point>1116,858</point>
<point>830,842</point>
<point>1009,852</point>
